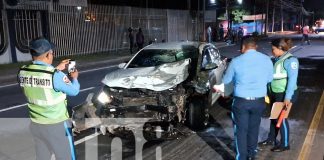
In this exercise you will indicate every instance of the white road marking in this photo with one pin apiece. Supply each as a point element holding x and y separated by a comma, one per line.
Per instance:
<point>85,71</point>
<point>22,105</point>
<point>86,138</point>
<point>9,85</point>
<point>96,69</point>
<point>86,89</point>
<point>13,107</point>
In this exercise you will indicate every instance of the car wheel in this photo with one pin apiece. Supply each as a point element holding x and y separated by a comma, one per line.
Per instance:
<point>196,115</point>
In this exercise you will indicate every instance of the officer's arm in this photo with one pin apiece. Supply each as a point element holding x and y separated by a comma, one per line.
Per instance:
<point>63,84</point>
<point>291,65</point>
<point>270,69</point>
<point>229,74</point>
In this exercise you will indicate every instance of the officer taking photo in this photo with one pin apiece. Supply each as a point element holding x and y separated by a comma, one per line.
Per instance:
<point>46,88</point>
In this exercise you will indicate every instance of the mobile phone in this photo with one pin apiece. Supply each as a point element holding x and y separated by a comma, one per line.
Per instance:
<point>71,67</point>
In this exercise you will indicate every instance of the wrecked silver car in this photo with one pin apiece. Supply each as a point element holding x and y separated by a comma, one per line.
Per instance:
<point>165,82</point>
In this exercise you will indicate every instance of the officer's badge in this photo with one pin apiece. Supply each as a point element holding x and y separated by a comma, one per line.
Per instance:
<point>294,65</point>
<point>66,80</point>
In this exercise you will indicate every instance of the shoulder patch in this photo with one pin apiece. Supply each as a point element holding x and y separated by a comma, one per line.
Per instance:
<point>293,65</point>
<point>66,80</point>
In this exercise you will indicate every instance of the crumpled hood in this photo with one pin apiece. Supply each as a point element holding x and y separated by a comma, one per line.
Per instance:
<point>156,78</point>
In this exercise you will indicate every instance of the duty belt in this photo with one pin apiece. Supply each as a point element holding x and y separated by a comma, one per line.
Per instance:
<point>250,98</point>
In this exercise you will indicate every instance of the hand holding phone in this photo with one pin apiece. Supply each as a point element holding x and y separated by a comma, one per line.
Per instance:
<point>71,66</point>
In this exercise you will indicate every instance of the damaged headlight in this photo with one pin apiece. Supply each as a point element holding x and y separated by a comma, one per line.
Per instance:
<point>104,98</point>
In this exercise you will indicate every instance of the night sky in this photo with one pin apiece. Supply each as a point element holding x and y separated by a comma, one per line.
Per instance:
<point>316,5</point>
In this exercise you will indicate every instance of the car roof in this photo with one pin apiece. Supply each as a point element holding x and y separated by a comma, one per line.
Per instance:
<point>173,45</point>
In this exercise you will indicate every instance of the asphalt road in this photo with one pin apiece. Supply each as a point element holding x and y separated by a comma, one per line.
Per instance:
<point>215,142</point>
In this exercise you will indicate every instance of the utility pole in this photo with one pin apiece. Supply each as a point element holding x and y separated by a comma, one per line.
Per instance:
<point>204,10</point>
<point>267,19</point>
<point>273,16</point>
<point>227,17</point>
<point>189,17</point>
<point>301,12</point>
<point>281,10</point>
<point>198,22</point>
<point>255,25</point>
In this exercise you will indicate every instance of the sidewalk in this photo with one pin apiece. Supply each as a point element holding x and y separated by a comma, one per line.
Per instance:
<point>8,75</point>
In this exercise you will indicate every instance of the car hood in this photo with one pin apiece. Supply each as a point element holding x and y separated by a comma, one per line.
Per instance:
<point>157,78</point>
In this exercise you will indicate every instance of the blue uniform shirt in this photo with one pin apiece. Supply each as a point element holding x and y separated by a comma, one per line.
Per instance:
<point>291,65</point>
<point>62,83</point>
<point>250,73</point>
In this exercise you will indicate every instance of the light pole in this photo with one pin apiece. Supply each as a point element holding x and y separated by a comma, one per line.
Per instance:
<point>227,17</point>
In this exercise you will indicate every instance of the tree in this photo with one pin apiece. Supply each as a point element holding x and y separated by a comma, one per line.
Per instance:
<point>238,15</point>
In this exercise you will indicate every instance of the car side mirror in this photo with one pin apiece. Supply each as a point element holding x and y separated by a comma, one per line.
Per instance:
<point>122,65</point>
<point>209,66</point>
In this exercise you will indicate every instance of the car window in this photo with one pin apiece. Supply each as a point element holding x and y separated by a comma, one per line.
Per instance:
<point>155,57</point>
<point>210,55</point>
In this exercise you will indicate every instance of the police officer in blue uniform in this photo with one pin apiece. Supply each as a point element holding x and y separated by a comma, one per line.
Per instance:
<point>282,89</point>
<point>250,73</point>
<point>46,88</point>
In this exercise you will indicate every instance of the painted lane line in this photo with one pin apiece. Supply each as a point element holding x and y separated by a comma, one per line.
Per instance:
<point>96,69</point>
<point>86,138</point>
<point>9,85</point>
<point>85,71</point>
<point>307,145</point>
<point>86,89</point>
<point>13,107</point>
<point>22,105</point>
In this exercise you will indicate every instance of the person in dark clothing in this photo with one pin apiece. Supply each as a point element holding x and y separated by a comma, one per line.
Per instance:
<point>139,39</point>
<point>131,39</point>
<point>240,33</point>
<point>221,32</point>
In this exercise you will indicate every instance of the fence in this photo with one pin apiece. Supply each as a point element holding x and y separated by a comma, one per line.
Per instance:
<point>95,28</point>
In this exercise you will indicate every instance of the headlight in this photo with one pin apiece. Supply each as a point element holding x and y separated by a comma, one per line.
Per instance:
<point>104,98</point>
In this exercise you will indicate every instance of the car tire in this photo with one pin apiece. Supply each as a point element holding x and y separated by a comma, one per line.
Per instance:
<point>196,115</point>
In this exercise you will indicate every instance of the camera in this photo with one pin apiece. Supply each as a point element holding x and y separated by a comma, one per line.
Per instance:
<point>71,67</point>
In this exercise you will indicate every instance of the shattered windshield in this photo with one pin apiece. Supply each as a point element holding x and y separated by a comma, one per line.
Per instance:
<point>156,57</point>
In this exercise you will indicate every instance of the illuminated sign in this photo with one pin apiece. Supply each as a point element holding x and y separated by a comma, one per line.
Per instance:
<point>254,17</point>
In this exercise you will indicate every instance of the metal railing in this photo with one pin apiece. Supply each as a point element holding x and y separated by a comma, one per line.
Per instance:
<point>3,34</point>
<point>95,28</point>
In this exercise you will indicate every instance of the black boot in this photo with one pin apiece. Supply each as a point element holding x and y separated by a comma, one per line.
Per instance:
<point>280,148</point>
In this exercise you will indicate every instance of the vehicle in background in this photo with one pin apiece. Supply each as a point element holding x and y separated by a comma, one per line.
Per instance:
<point>319,26</point>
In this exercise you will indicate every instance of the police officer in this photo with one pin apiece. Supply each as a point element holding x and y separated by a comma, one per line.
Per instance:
<point>250,73</point>
<point>283,89</point>
<point>45,88</point>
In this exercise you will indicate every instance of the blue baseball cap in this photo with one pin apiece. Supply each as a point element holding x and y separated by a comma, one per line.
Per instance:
<point>40,46</point>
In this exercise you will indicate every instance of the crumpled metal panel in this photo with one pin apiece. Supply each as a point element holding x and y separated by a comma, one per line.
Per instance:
<point>156,78</point>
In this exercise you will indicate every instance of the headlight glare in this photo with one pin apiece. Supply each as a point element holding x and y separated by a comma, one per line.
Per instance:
<point>104,98</point>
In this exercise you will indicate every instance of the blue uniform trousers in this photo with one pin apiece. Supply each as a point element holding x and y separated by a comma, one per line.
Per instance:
<point>54,139</point>
<point>284,128</point>
<point>246,115</point>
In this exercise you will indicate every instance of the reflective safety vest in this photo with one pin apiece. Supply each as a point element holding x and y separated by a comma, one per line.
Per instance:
<point>46,106</point>
<point>279,82</point>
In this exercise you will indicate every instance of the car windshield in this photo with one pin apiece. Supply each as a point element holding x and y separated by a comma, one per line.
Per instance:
<point>156,57</point>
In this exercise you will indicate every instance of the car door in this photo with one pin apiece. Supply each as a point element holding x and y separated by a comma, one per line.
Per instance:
<point>210,57</point>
